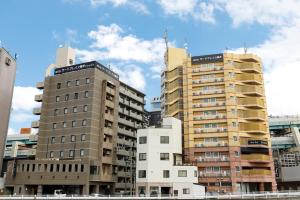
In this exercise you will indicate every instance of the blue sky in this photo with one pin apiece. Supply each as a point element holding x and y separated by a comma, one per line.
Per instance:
<point>127,36</point>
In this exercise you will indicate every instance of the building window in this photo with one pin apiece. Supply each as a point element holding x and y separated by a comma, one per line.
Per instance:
<point>73,138</point>
<point>74,109</point>
<point>63,139</point>
<point>58,86</point>
<point>75,95</point>
<point>195,173</point>
<point>84,122</point>
<point>236,153</point>
<point>182,173</point>
<point>83,137</point>
<point>86,94</point>
<point>52,140</point>
<point>51,154</point>
<point>65,110</point>
<point>166,174</point>
<point>186,190</point>
<point>56,112</point>
<point>164,156</point>
<point>87,80</point>
<point>54,125</point>
<point>164,139</point>
<point>142,173</point>
<point>68,83</point>
<point>81,152</point>
<point>57,98</point>
<point>85,108</point>
<point>77,82</point>
<point>143,140</point>
<point>61,154</point>
<point>71,153</point>
<point>64,124</point>
<point>237,168</point>
<point>67,97</point>
<point>73,123</point>
<point>235,138</point>
<point>142,156</point>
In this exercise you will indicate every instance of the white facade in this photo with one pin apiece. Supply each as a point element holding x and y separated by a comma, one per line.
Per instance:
<point>159,163</point>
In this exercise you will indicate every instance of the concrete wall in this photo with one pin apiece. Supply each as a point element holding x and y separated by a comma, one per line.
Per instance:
<point>7,80</point>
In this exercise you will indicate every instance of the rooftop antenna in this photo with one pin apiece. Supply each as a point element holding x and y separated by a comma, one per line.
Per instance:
<point>245,48</point>
<point>166,38</point>
<point>185,44</point>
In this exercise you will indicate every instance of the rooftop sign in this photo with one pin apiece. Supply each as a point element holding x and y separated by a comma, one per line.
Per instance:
<point>87,65</point>
<point>207,59</point>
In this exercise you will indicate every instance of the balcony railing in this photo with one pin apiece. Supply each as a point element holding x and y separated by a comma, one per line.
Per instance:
<point>205,69</point>
<point>255,78</point>
<point>252,114</point>
<point>209,104</point>
<point>210,130</point>
<point>218,159</point>
<point>256,157</point>
<point>225,173</point>
<point>38,97</point>
<point>40,85</point>
<point>250,90</point>
<point>248,67</point>
<point>253,127</point>
<point>208,80</point>
<point>35,124</point>
<point>212,144</point>
<point>205,117</point>
<point>256,172</point>
<point>36,111</point>
<point>212,91</point>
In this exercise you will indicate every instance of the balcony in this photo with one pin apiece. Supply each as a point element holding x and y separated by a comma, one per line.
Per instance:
<point>35,124</point>
<point>107,145</point>
<point>124,142</point>
<point>126,132</point>
<point>248,67</point>
<point>111,91</point>
<point>250,78</point>
<point>210,130</point>
<point>256,158</point>
<point>256,172</point>
<point>251,90</point>
<point>37,111</point>
<point>122,152</point>
<point>253,142</point>
<point>109,104</point>
<point>40,85</point>
<point>212,91</point>
<point>209,104</point>
<point>126,122</point>
<point>38,97</point>
<point>123,186</point>
<point>108,131</point>
<point>212,144</point>
<point>205,117</point>
<point>253,128</point>
<point>121,163</point>
<point>205,174</point>
<point>206,69</point>
<point>107,159</point>
<point>252,102</point>
<point>208,80</point>
<point>109,117</point>
<point>253,115</point>
<point>218,159</point>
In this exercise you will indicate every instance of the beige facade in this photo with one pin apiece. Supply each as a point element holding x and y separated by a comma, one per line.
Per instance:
<point>83,134</point>
<point>221,100</point>
<point>7,79</point>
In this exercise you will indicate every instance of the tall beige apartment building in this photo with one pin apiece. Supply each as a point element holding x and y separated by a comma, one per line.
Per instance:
<point>8,67</point>
<point>221,100</point>
<point>87,132</point>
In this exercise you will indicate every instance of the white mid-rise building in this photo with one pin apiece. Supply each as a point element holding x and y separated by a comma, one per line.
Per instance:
<point>160,171</point>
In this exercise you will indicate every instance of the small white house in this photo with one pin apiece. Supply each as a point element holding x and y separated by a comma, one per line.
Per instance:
<point>159,169</point>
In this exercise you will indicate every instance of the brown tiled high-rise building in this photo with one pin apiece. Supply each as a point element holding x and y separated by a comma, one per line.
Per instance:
<point>221,100</point>
<point>7,79</point>
<point>87,132</point>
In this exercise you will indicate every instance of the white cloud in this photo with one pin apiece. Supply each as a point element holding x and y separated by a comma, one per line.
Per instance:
<point>22,116</point>
<point>112,43</point>
<point>134,4</point>
<point>131,75</point>
<point>12,131</point>
<point>265,12</point>
<point>197,9</point>
<point>23,98</point>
